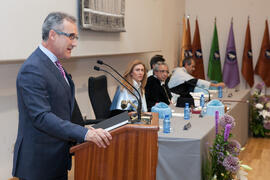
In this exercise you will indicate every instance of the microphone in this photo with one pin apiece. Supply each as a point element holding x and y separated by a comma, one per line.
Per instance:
<point>200,88</point>
<point>100,62</point>
<point>139,109</point>
<point>124,104</point>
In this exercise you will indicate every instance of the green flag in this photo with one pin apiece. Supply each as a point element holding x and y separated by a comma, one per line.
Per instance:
<point>214,65</point>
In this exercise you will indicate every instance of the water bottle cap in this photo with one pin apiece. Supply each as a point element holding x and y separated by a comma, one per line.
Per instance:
<point>201,95</point>
<point>187,104</point>
<point>167,116</point>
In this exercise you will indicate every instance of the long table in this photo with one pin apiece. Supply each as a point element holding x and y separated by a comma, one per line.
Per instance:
<point>181,152</point>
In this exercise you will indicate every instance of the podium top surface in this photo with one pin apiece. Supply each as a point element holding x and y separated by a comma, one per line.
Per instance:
<point>154,126</point>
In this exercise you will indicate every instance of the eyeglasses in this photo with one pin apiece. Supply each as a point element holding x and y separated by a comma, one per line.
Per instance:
<point>71,36</point>
<point>163,71</point>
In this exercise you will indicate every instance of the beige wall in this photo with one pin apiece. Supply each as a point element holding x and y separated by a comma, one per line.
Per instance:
<point>81,69</point>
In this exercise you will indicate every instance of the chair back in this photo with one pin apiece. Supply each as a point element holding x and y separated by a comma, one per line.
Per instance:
<point>99,96</point>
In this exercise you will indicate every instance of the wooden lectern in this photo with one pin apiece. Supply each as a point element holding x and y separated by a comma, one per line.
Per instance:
<point>132,155</point>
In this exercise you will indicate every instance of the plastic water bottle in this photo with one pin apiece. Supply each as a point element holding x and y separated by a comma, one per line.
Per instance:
<point>167,124</point>
<point>202,101</point>
<point>186,112</point>
<point>220,92</point>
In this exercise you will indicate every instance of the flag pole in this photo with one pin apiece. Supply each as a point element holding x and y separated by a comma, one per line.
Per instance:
<point>246,81</point>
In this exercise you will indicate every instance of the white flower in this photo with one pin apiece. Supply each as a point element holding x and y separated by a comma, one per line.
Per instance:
<point>214,177</point>
<point>259,106</point>
<point>265,113</point>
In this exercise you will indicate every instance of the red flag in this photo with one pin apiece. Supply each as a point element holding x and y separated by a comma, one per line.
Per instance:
<point>263,64</point>
<point>247,61</point>
<point>197,53</point>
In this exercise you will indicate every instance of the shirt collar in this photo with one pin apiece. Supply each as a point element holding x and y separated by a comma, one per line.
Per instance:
<point>136,84</point>
<point>48,53</point>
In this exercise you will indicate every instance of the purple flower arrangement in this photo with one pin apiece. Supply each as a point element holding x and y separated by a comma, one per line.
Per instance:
<point>260,86</point>
<point>227,119</point>
<point>224,163</point>
<point>231,163</point>
<point>227,132</point>
<point>233,147</point>
<point>260,112</point>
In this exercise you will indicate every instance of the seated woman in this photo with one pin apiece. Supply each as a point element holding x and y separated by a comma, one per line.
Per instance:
<point>135,75</point>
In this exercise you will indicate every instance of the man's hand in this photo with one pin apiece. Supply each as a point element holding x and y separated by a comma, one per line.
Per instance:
<point>222,84</point>
<point>98,136</point>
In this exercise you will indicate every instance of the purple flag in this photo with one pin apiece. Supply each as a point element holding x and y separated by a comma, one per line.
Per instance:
<point>230,68</point>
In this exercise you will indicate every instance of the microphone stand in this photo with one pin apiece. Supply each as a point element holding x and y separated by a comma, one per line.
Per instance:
<point>200,88</point>
<point>99,69</point>
<point>139,109</point>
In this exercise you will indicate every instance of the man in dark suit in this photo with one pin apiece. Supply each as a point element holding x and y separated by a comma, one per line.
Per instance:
<point>156,89</point>
<point>45,95</point>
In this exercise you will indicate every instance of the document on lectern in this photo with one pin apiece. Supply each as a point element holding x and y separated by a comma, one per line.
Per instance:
<point>113,122</point>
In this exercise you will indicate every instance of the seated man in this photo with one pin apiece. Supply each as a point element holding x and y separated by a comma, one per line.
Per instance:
<point>156,89</point>
<point>182,82</point>
<point>154,60</point>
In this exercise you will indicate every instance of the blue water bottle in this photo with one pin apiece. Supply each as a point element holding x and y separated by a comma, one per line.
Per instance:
<point>186,112</point>
<point>220,92</point>
<point>167,124</point>
<point>202,101</point>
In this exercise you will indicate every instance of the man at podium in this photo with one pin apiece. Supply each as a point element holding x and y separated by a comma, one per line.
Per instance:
<point>45,95</point>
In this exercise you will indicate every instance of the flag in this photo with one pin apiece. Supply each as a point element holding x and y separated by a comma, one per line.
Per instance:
<point>247,61</point>
<point>263,64</point>
<point>197,53</point>
<point>183,42</point>
<point>230,69</point>
<point>188,40</point>
<point>186,50</point>
<point>214,65</point>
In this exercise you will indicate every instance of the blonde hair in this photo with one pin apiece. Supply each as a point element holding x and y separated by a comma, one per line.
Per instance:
<point>127,75</point>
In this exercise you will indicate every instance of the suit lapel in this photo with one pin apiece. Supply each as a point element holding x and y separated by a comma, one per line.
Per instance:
<point>56,72</point>
<point>72,89</point>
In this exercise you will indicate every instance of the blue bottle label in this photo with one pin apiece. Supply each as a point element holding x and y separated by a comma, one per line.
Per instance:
<point>166,124</point>
<point>186,113</point>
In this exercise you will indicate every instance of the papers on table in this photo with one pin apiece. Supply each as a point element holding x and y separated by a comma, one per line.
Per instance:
<point>178,114</point>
